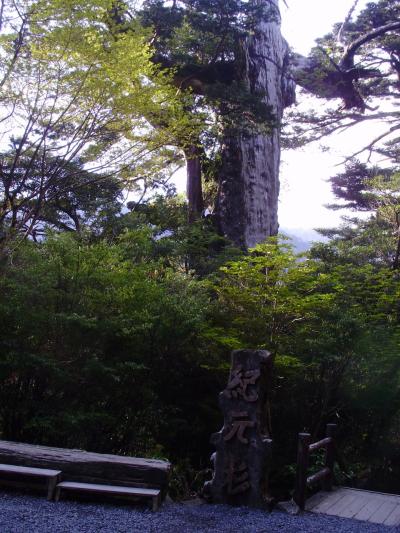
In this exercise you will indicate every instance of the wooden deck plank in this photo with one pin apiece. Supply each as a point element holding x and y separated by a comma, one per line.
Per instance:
<point>374,507</point>
<point>316,499</point>
<point>355,506</point>
<point>394,498</point>
<point>394,518</point>
<point>382,513</point>
<point>331,499</point>
<point>363,491</point>
<point>368,510</point>
<point>337,508</point>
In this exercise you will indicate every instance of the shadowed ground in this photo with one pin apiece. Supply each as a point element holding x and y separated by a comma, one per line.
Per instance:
<point>27,514</point>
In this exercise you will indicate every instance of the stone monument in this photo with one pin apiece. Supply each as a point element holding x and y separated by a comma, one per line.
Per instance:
<point>243,446</point>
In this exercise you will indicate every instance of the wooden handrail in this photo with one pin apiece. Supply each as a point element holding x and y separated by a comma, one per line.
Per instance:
<point>319,476</point>
<point>305,447</point>
<point>320,444</point>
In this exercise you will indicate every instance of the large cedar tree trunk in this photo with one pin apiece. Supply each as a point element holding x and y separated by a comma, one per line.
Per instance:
<point>247,205</point>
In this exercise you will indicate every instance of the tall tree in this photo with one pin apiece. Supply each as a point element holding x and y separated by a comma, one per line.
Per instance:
<point>369,48</point>
<point>43,194</point>
<point>358,64</point>
<point>73,98</point>
<point>249,175</point>
<point>232,57</point>
<point>374,239</point>
<point>219,78</point>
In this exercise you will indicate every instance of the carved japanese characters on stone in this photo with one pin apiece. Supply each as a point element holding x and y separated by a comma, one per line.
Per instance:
<point>236,477</point>
<point>239,382</point>
<point>240,421</point>
<point>243,446</point>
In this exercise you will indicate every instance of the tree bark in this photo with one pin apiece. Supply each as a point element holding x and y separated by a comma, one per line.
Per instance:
<point>247,204</point>
<point>194,186</point>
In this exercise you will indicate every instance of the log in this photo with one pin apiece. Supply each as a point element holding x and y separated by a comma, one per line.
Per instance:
<point>303,450</point>
<point>330,456</point>
<point>82,466</point>
<point>319,476</point>
<point>320,444</point>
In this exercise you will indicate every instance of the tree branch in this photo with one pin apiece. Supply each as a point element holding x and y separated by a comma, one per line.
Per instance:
<point>347,60</point>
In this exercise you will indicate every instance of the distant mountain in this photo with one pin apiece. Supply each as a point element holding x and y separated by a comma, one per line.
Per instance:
<point>302,238</point>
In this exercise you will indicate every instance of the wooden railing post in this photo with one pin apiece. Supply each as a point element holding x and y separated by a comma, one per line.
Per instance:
<point>302,466</point>
<point>329,457</point>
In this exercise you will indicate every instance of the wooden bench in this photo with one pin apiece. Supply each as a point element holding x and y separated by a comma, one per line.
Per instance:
<point>52,476</point>
<point>115,490</point>
<point>89,467</point>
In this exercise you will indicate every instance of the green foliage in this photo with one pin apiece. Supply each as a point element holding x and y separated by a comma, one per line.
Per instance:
<point>99,348</point>
<point>76,199</point>
<point>76,93</point>
<point>122,345</point>
<point>195,247</point>
<point>374,239</point>
<point>201,43</point>
<point>332,323</point>
<point>356,66</point>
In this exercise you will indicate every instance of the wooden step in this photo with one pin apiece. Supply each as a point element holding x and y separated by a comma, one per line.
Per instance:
<point>52,476</point>
<point>115,490</point>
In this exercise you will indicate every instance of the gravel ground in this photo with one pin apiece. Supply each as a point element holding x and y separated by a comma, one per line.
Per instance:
<point>22,513</point>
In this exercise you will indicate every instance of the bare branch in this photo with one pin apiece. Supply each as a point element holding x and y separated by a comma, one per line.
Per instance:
<point>346,21</point>
<point>370,147</point>
<point>18,45</point>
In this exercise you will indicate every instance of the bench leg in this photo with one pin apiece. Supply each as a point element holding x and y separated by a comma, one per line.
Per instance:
<point>57,494</point>
<point>51,485</point>
<point>156,503</point>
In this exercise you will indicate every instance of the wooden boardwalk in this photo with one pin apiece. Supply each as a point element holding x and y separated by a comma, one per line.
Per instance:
<point>375,507</point>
